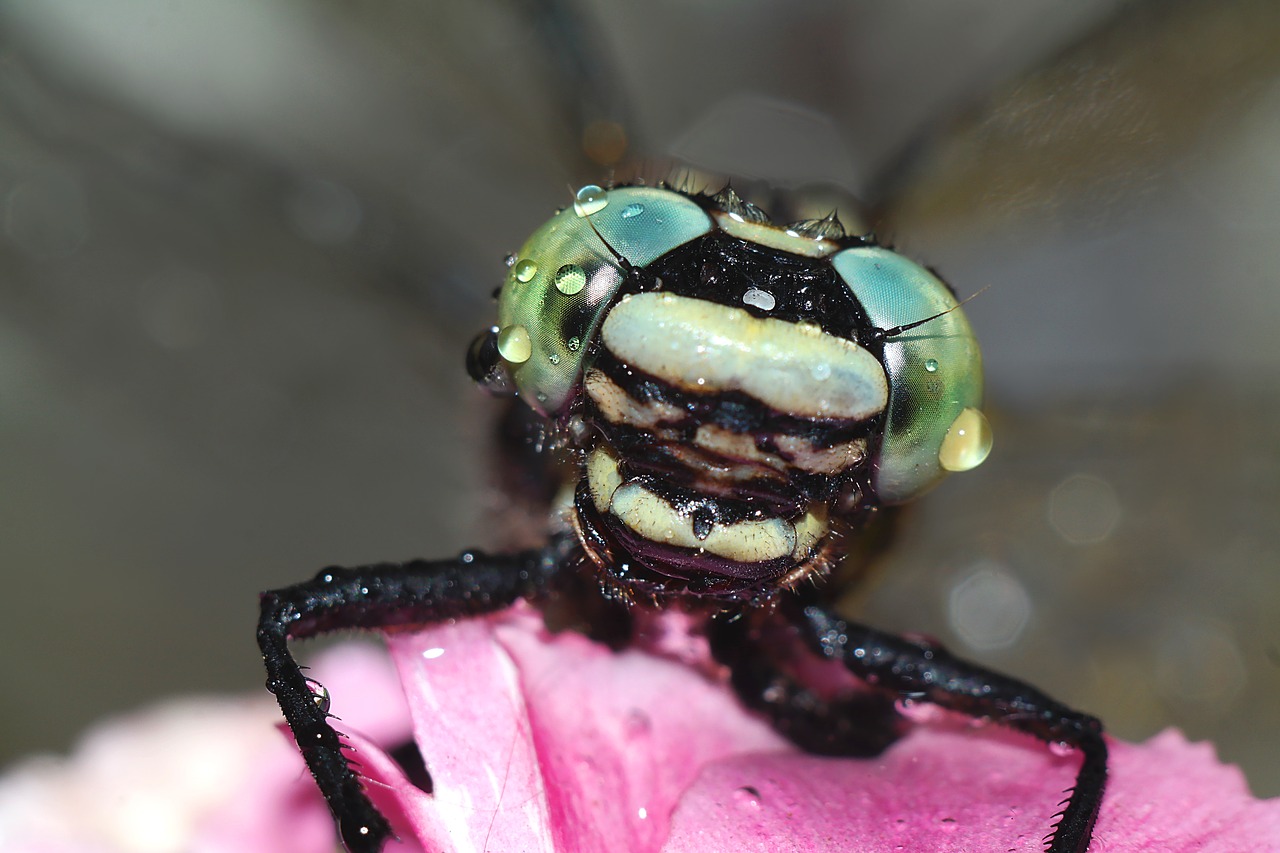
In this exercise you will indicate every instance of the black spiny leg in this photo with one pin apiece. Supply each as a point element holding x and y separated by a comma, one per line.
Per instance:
<point>932,674</point>
<point>860,725</point>
<point>377,596</point>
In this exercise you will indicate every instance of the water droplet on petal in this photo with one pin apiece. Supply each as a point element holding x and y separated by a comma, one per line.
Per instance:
<point>638,724</point>
<point>514,344</point>
<point>570,279</point>
<point>747,797</point>
<point>526,270</point>
<point>967,442</point>
<point>590,200</point>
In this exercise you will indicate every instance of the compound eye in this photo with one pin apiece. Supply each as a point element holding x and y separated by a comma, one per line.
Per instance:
<point>487,367</point>
<point>933,424</point>
<point>569,273</point>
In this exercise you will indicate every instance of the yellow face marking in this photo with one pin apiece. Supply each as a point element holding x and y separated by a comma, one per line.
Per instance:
<point>822,460</point>
<point>619,407</point>
<point>733,445</point>
<point>706,347</point>
<point>773,236</point>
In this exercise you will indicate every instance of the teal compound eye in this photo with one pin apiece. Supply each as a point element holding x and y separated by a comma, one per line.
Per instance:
<point>564,280</point>
<point>933,425</point>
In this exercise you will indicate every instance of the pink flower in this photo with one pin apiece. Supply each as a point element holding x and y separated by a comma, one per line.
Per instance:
<point>540,743</point>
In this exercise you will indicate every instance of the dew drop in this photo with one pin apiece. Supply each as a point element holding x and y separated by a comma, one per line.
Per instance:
<point>632,210</point>
<point>747,797</point>
<point>319,695</point>
<point>758,298</point>
<point>573,344</point>
<point>510,261</point>
<point>931,365</point>
<point>820,371</point>
<point>553,357</point>
<point>967,442</point>
<point>570,279</point>
<point>1060,749</point>
<point>637,724</point>
<point>590,200</point>
<point>526,270</point>
<point>514,344</point>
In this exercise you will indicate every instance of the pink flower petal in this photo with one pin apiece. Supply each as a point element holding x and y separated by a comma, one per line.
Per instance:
<point>206,776</point>
<point>540,743</point>
<point>555,743</point>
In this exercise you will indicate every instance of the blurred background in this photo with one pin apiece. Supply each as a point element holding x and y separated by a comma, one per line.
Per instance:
<point>243,247</point>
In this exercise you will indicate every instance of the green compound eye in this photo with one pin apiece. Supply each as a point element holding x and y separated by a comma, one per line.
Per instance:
<point>933,423</point>
<point>566,277</point>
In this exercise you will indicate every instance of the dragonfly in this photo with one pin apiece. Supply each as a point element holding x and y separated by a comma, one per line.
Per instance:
<point>955,189</point>
<point>630,563</point>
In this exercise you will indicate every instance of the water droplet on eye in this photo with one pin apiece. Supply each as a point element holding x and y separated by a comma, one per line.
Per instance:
<point>526,270</point>
<point>820,371</point>
<point>967,442</point>
<point>590,200</point>
<point>931,365</point>
<point>554,358</point>
<point>514,344</point>
<point>319,695</point>
<point>570,279</point>
<point>573,344</point>
<point>758,298</point>
<point>632,210</point>
<point>747,797</point>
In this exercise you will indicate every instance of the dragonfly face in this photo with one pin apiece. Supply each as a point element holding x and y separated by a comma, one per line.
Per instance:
<point>740,393</point>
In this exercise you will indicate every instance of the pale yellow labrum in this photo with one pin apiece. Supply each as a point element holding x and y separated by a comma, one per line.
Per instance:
<point>657,520</point>
<point>707,347</point>
<point>651,516</point>
<point>603,478</point>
